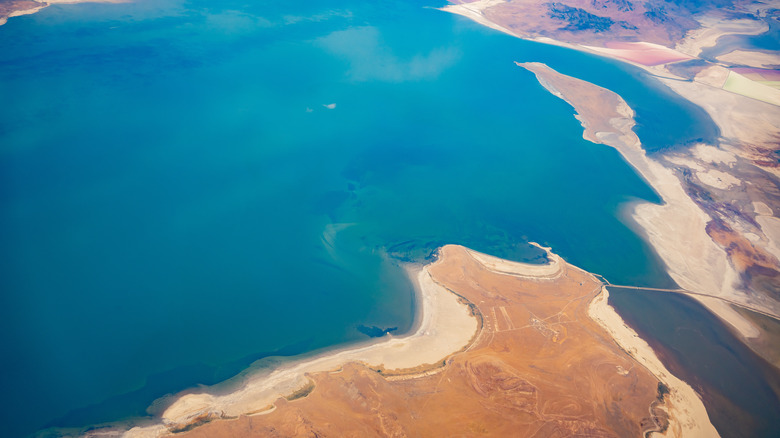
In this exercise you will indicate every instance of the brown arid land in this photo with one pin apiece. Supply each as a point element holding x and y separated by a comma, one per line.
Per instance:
<point>549,358</point>
<point>718,230</point>
<point>596,22</point>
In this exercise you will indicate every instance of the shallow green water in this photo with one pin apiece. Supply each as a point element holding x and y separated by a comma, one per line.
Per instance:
<point>187,187</point>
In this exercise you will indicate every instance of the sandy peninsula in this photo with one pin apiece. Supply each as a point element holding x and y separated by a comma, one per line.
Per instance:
<point>550,358</point>
<point>707,232</point>
<point>676,229</point>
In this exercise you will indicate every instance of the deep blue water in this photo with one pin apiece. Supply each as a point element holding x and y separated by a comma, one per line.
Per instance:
<point>179,196</point>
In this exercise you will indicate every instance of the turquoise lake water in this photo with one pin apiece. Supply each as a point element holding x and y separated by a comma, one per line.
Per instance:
<point>187,187</point>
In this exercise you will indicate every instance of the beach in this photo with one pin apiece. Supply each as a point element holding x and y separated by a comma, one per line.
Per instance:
<point>444,326</point>
<point>676,229</point>
<point>680,230</point>
<point>556,314</point>
<point>690,418</point>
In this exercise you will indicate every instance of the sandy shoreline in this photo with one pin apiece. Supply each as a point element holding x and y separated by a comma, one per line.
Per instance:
<point>552,270</point>
<point>676,229</point>
<point>688,416</point>
<point>445,326</point>
<point>19,13</point>
<point>475,12</point>
<point>44,4</point>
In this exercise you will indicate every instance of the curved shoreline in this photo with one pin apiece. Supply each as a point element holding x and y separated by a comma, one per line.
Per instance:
<point>416,355</point>
<point>675,229</point>
<point>19,13</point>
<point>446,325</point>
<point>551,270</point>
<point>688,416</point>
<point>741,119</point>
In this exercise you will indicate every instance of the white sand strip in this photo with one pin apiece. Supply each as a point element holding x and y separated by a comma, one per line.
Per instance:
<point>552,270</point>
<point>476,12</point>
<point>687,414</point>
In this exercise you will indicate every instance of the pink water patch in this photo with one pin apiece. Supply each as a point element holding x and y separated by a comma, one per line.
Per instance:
<point>644,53</point>
<point>758,74</point>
